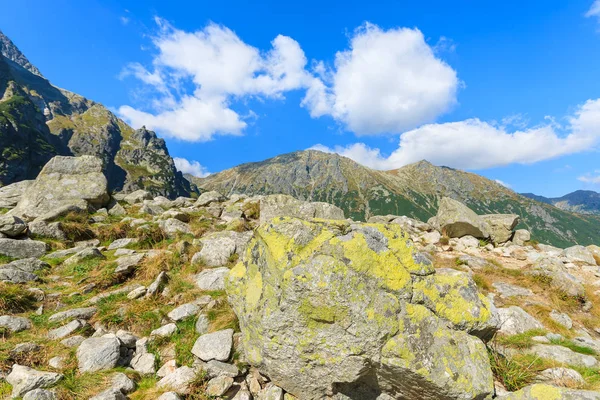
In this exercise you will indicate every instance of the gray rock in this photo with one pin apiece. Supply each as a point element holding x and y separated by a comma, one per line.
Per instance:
<point>515,320</point>
<point>202,324</point>
<point>110,394</point>
<point>208,197</point>
<point>500,226</point>
<point>40,394</point>
<point>62,182</point>
<point>189,309</point>
<point>137,293</point>
<point>14,324</point>
<point>214,346</point>
<point>579,254</point>
<point>216,368</point>
<point>563,355</point>
<point>281,205</point>
<point>521,236</point>
<point>137,197</point>
<point>160,280</point>
<point>178,381</point>
<point>561,377</point>
<point>144,363</point>
<point>16,275</point>
<point>66,330</point>
<point>84,313</point>
<point>454,219</point>
<point>561,319</point>
<point>116,210</point>
<point>219,385</point>
<point>57,362</point>
<point>98,353</point>
<point>169,396</point>
<point>122,382</point>
<point>127,339</point>
<point>174,226</point>
<point>126,265</point>
<point>72,341</point>
<point>50,230</point>
<point>89,253</point>
<point>28,265</point>
<point>11,194</point>
<point>554,270</point>
<point>12,226</point>
<point>120,243</point>
<point>507,290</point>
<point>123,289</point>
<point>167,368</point>
<point>22,248</point>
<point>212,279</point>
<point>272,392</point>
<point>151,209</point>
<point>24,379</point>
<point>217,248</point>
<point>165,330</point>
<point>24,348</point>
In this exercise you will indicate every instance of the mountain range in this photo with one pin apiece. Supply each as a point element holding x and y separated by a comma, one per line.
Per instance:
<point>580,201</point>
<point>39,120</point>
<point>413,190</point>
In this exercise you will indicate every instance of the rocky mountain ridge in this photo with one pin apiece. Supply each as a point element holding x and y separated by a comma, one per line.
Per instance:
<point>39,121</point>
<point>270,297</point>
<point>413,190</point>
<point>579,201</point>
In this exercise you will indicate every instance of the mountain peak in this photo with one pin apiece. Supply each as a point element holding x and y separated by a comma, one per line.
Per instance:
<point>9,50</point>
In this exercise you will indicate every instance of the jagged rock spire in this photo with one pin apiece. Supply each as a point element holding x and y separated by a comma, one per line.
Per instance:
<point>9,50</point>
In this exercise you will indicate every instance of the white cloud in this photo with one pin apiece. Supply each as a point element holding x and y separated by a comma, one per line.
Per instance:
<point>387,82</point>
<point>193,168</point>
<point>589,178</point>
<point>221,69</point>
<point>474,144</point>
<point>124,20</point>
<point>594,10</point>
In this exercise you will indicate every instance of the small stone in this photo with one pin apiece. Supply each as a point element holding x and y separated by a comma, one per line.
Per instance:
<point>179,381</point>
<point>167,368</point>
<point>214,346</point>
<point>24,379</point>
<point>39,394</point>
<point>137,293</point>
<point>73,341</point>
<point>14,324</point>
<point>66,330</point>
<point>98,353</point>
<point>561,319</point>
<point>122,382</point>
<point>202,324</point>
<point>218,386</point>
<point>165,330</point>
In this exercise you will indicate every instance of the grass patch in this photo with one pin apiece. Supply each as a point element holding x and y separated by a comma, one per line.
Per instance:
<point>517,372</point>
<point>481,282</point>
<point>577,348</point>
<point>15,299</point>
<point>222,317</point>
<point>5,259</point>
<point>521,340</point>
<point>251,210</point>
<point>591,376</point>
<point>146,389</point>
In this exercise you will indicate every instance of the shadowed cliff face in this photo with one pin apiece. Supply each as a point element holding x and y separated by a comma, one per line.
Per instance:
<point>413,190</point>
<point>39,120</point>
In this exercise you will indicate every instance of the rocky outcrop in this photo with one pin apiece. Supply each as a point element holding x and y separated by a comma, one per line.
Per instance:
<point>286,206</point>
<point>351,311</point>
<point>65,182</point>
<point>456,220</point>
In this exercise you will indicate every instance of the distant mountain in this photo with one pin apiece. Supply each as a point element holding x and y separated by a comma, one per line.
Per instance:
<point>580,201</point>
<point>39,120</point>
<point>413,190</point>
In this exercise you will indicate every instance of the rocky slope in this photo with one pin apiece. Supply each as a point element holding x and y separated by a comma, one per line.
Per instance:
<point>413,190</point>
<point>269,297</point>
<point>39,121</point>
<point>580,201</point>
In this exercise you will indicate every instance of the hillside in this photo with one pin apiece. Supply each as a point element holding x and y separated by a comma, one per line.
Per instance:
<point>579,201</point>
<point>413,190</point>
<point>39,121</point>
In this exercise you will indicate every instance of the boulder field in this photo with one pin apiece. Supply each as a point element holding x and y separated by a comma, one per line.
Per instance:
<point>132,296</point>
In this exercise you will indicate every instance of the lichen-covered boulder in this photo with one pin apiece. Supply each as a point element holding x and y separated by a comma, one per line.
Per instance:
<point>64,181</point>
<point>454,219</point>
<point>500,226</point>
<point>560,279</point>
<point>282,205</point>
<point>327,307</point>
<point>541,391</point>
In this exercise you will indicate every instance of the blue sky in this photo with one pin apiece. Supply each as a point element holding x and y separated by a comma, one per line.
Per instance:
<point>506,89</point>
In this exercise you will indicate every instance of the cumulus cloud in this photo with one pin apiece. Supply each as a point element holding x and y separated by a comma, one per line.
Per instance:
<point>594,10</point>
<point>506,185</point>
<point>220,68</point>
<point>475,144</point>
<point>190,167</point>
<point>388,81</point>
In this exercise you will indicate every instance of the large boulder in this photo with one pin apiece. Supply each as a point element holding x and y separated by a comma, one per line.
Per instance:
<point>98,353</point>
<point>500,226</point>
<point>218,247</point>
<point>282,205</point>
<point>339,303</point>
<point>22,248</point>
<point>579,254</point>
<point>24,379</point>
<point>11,194</point>
<point>12,226</point>
<point>64,182</point>
<point>454,219</point>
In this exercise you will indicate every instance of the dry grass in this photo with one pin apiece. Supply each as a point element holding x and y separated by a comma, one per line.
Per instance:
<point>15,299</point>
